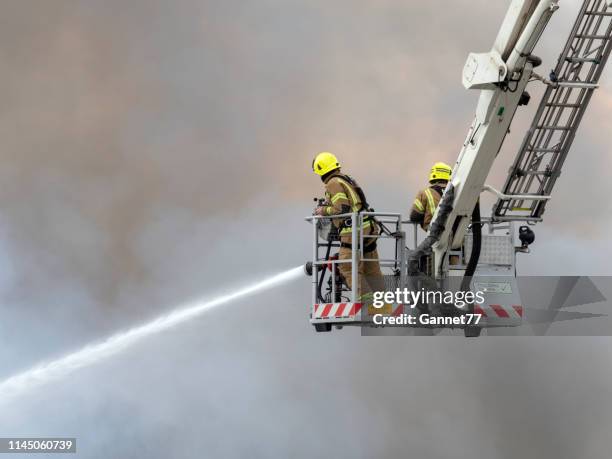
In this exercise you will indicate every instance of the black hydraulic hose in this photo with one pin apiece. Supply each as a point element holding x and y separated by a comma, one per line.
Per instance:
<point>435,230</point>
<point>476,247</point>
<point>473,330</point>
<point>322,274</point>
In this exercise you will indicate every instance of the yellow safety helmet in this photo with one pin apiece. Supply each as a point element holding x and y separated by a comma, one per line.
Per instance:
<point>440,171</point>
<point>325,162</point>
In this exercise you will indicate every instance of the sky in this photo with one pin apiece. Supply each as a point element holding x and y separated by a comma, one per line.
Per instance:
<point>156,152</point>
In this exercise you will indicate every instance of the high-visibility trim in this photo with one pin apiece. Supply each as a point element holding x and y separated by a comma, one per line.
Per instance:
<point>355,202</point>
<point>349,229</point>
<point>430,201</point>
<point>367,296</point>
<point>419,205</point>
<point>338,196</point>
<point>329,210</point>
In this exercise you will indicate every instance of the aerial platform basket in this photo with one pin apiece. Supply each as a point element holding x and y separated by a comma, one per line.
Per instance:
<point>334,304</point>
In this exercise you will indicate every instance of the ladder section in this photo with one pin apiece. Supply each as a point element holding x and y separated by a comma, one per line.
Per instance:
<point>570,87</point>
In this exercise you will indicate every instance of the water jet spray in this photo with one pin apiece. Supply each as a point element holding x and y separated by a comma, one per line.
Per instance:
<point>93,353</point>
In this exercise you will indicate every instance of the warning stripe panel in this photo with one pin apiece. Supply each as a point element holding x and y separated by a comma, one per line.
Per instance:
<point>335,310</point>
<point>499,311</point>
<point>326,310</point>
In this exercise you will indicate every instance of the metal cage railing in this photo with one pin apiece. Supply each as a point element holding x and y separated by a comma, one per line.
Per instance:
<point>390,225</point>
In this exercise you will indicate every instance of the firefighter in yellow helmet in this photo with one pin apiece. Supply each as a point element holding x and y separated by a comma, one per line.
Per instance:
<point>343,195</point>
<point>427,200</point>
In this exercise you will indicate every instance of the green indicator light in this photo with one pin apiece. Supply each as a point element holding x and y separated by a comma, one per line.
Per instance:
<point>501,110</point>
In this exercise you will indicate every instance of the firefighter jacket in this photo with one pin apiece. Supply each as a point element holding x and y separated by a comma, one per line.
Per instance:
<point>426,203</point>
<point>343,195</point>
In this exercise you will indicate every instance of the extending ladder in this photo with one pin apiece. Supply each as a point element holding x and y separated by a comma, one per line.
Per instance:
<point>569,89</point>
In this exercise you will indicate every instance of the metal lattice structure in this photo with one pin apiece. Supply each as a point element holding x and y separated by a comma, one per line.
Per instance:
<point>539,162</point>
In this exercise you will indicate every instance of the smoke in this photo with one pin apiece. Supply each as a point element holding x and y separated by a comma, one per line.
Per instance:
<point>92,354</point>
<point>154,149</point>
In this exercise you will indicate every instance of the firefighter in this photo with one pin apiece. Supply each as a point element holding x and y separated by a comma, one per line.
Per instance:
<point>343,195</point>
<point>427,200</point>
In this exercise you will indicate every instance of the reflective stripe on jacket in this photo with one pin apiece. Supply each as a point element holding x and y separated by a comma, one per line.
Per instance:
<point>342,198</point>
<point>426,203</point>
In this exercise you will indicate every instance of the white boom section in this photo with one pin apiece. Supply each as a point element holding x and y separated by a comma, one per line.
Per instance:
<point>502,75</point>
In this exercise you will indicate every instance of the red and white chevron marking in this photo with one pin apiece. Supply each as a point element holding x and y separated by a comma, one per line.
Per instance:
<point>498,311</point>
<point>335,310</point>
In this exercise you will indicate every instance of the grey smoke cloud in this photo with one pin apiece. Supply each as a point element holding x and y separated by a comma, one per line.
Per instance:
<point>154,152</point>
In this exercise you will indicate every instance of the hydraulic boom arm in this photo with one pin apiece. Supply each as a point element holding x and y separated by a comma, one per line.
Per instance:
<point>502,75</point>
